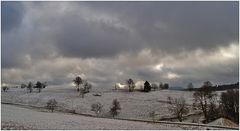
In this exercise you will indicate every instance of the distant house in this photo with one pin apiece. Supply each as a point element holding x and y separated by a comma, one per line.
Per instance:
<point>119,86</point>
<point>139,85</point>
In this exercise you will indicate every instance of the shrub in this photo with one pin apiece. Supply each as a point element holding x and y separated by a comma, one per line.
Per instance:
<point>97,108</point>
<point>51,104</point>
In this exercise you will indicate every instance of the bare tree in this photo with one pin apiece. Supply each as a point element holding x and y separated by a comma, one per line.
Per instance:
<point>85,89</point>
<point>81,92</point>
<point>87,86</point>
<point>114,110</point>
<point>178,107</point>
<point>39,86</point>
<point>230,104</point>
<point>97,108</point>
<point>78,81</point>
<point>30,87</point>
<point>51,104</point>
<point>204,97</point>
<point>131,84</point>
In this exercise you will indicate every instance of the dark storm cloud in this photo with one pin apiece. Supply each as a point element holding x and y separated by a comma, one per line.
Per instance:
<point>12,15</point>
<point>169,25</point>
<point>103,29</point>
<point>107,42</point>
<point>91,39</point>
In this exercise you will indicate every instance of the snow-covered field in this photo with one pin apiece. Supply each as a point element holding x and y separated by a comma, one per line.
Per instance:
<point>136,105</point>
<point>31,119</point>
<point>18,118</point>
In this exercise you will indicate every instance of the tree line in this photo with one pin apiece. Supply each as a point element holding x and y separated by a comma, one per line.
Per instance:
<point>206,100</point>
<point>190,87</point>
<point>147,86</point>
<point>30,86</point>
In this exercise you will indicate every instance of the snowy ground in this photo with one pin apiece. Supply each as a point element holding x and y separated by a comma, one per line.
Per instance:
<point>31,119</point>
<point>13,117</point>
<point>135,105</point>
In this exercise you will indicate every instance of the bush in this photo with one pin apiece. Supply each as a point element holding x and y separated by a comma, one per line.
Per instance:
<point>51,104</point>
<point>97,108</point>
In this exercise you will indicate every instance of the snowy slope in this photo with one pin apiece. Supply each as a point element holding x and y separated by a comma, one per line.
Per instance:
<point>43,120</point>
<point>134,104</point>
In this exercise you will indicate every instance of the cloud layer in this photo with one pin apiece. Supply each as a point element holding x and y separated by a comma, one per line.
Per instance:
<point>107,42</point>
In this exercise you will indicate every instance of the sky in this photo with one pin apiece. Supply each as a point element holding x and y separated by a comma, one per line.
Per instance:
<point>109,42</point>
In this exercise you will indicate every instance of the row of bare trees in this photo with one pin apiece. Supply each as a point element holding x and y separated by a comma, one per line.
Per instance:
<point>147,86</point>
<point>30,86</point>
<point>96,107</point>
<point>39,86</point>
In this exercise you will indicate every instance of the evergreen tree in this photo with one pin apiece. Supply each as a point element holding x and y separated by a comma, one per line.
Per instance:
<point>115,107</point>
<point>147,86</point>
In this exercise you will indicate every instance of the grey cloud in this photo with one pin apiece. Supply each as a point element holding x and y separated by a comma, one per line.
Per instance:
<point>113,41</point>
<point>174,25</point>
<point>12,15</point>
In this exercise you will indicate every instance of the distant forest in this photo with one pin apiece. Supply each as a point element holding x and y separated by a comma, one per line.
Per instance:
<point>219,87</point>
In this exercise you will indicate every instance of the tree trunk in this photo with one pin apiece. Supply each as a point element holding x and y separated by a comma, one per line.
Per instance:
<point>78,88</point>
